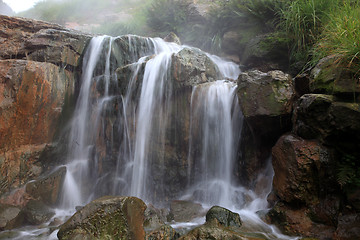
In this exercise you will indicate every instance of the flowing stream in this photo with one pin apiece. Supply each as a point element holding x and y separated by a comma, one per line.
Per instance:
<point>120,138</point>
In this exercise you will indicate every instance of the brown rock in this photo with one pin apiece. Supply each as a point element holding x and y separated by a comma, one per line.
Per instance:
<point>28,39</point>
<point>185,211</point>
<point>107,218</point>
<point>47,188</point>
<point>165,232</point>
<point>297,164</point>
<point>32,95</point>
<point>10,217</point>
<point>348,227</point>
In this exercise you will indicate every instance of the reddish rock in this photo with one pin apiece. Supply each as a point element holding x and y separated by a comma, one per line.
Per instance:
<point>32,95</point>
<point>297,163</point>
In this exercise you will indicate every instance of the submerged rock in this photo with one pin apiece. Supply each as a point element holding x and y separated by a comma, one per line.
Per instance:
<point>37,213</point>
<point>107,218</point>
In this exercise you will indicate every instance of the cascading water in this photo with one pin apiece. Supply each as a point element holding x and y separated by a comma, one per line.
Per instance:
<point>136,124</point>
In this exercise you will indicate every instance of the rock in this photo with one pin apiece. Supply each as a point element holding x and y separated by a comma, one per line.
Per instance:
<point>223,216</point>
<point>10,217</point>
<point>265,99</point>
<point>333,122</point>
<point>48,188</point>
<point>302,170</point>
<point>36,212</point>
<point>107,218</point>
<point>266,52</point>
<point>295,221</point>
<point>171,37</point>
<point>208,231</point>
<point>265,94</point>
<point>348,227</point>
<point>154,218</point>
<point>329,79</point>
<point>32,95</point>
<point>190,67</point>
<point>18,198</point>
<point>165,232</point>
<point>185,211</point>
<point>40,41</point>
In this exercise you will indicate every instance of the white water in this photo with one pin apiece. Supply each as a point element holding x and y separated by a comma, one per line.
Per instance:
<point>216,123</point>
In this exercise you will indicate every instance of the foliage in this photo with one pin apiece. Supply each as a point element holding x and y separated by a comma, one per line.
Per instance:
<point>341,37</point>
<point>169,15</point>
<point>349,171</point>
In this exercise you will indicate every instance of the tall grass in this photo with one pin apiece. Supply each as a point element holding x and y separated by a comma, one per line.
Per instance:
<point>341,37</point>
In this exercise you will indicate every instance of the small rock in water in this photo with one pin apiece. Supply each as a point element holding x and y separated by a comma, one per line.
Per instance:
<point>185,211</point>
<point>223,217</point>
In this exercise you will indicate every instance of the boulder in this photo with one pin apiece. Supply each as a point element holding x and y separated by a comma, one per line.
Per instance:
<point>265,99</point>
<point>40,41</point>
<point>185,211</point>
<point>219,215</point>
<point>10,217</point>
<point>295,221</point>
<point>334,122</point>
<point>265,94</point>
<point>107,218</point>
<point>165,232</point>
<point>302,170</point>
<point>171,37</point>
<point>47,188</point>
<point>190,67</point>
<point>327,78</point>
<point>32,96</point>
<point>36,212</point>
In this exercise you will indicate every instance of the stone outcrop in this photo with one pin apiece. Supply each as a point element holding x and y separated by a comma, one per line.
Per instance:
<point>164,232</point>
<point>38,65</point>
<point>327,79</point>
<point>185,211</point>
<point>265,99</point>
<point>223,216</point>
<point>107,218</point>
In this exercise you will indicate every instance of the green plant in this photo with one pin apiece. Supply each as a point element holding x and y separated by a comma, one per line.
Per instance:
<point>341,37</point>
<point>167,16</point>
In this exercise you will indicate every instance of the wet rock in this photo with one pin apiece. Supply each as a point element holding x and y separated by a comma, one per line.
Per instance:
<point>36,212</point>
<point>295,221</point>
<point>32,95</point>
<point>301,168</point>
<point>265,99</point>
<point>327,78</point>
<point>348,227</point>
<point>154,218</point>
<point>185,211</point>
<point>10,217</point>
<point>171,37</point>
<point>223,216</point>
<point>107,218</point>
<point>190,67</point>
<point>208,231</point>
<point>165,232</point>
<point>47,188</point>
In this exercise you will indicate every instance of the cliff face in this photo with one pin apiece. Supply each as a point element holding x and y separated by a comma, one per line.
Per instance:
<point>38,63</point>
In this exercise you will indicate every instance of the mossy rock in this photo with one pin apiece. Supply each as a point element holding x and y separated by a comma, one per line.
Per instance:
<point>107,218</point>
<point>223,216</point>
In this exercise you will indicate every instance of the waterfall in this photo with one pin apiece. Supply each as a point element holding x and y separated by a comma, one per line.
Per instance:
<point>216,122</point>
